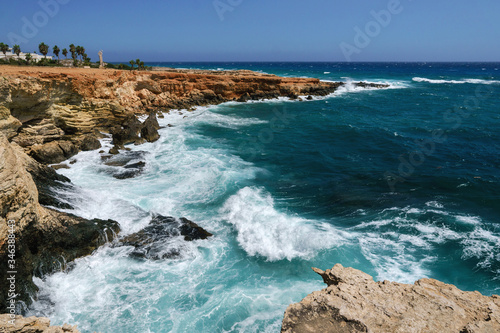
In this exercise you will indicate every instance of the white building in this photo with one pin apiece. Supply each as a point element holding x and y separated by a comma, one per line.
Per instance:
<point>34,56</point>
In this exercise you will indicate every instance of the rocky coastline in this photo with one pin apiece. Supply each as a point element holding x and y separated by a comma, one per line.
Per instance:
<point>48,115</point>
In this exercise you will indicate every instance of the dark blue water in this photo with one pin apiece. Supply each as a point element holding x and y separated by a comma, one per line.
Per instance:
<point>402,183</point>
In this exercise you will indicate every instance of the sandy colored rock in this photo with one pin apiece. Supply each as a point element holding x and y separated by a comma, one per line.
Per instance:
<point>45,239</point>
<point>353,302</point>
<point>20,324</point>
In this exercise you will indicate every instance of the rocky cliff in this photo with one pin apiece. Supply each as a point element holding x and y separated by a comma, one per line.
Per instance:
<point>353,302</point>
<point>54,113</point>
<point>45,239</point>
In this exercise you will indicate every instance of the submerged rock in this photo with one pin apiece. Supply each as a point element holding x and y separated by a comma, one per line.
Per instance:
<point>353,302</point>
<point>151,242</point>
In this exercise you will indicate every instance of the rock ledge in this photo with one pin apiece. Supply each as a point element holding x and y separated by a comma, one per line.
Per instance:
<point>353,302</point>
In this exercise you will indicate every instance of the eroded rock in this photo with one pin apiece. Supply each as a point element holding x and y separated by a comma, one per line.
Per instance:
<point>20,324</point>
<point>353,302</point>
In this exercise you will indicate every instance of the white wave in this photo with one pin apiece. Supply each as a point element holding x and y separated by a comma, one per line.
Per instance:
<point>263,230</point>
<point>463,81</point>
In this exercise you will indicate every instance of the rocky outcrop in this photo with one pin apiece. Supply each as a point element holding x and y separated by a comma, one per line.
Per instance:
<point>51,111</point>
<point>19,324</point>
<point>353,302</point>
<point>152,242</point>
<point>45,239</point>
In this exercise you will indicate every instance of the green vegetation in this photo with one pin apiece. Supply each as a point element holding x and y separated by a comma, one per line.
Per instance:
<point>78,55</point>
<point>4,48</point>
<point>56,51</point>
<point>44,49</point>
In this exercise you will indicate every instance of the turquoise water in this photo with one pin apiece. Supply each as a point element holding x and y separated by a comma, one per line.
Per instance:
<point>402,183</point>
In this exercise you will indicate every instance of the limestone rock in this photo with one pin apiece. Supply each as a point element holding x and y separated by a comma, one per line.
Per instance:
<point>353,302</point>
<point>20,324</point>
<point>150,129</point>
<point>89,142</point>
<point>8,124</point>
<point>54,152</point>
<point>45,239</point>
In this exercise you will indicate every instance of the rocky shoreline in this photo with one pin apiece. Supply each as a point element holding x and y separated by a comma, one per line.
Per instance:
<point>48,115</point>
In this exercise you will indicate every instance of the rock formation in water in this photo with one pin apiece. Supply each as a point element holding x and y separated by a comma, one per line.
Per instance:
<point>353,302</point>
<point>20,324</point>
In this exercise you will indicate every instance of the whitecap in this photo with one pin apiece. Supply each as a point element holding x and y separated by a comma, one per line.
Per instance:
<point>265,231</point>
<point>463,81</point>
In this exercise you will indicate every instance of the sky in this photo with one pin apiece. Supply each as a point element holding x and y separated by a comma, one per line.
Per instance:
<point>259,30</point>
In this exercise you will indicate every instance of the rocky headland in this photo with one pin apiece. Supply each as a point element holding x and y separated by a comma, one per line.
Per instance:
<point>353,302</point>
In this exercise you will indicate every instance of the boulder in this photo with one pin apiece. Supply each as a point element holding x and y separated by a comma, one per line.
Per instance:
<point>152,242</point>
<point>150,128</point>
<point>53,152</point>
<point>353,302</point>
<point>89,142</point>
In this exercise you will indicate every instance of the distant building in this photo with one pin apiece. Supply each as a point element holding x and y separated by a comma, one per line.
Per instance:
<point>34,56</point>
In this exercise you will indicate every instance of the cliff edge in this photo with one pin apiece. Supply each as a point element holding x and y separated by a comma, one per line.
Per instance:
<point>353,302</point>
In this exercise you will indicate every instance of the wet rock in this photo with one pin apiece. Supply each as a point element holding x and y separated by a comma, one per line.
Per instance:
<point>244,98</point>
<point>90,142</point>
<point>54,152</point>
<point>152,241</point>
<point>128,132</point>
<point>353,302</point>
<point>125,158</point>
<point>150,128</point>
<point>309,98</point>
<point>49,185</point>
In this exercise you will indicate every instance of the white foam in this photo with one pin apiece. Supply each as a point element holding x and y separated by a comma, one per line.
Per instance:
<point>463,81</point>
<point>263,230</point>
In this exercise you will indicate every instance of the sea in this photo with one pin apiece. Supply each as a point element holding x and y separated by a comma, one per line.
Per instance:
<point>402,183</point>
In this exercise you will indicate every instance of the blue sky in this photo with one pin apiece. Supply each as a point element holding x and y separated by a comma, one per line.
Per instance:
<point>260,30</point>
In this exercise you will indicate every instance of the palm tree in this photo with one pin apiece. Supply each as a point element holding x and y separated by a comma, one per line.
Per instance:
<point>72,49</point>
<point>56,51</point>
<point>142,64</point>
<point>65,53</point>
<point>4,48</point>
<point>44,49</point>
<point>132,64</point>
<point>138,63</point>
<point>17,50</point>
<point>27,57</point>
